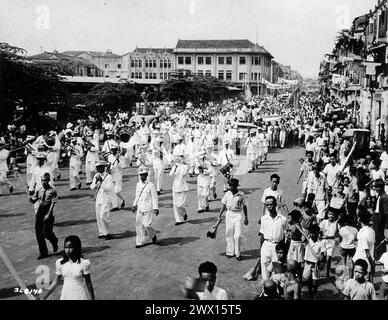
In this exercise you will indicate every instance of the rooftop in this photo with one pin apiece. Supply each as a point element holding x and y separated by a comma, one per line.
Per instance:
<point>220,44</point>
<point>155,50</point>
<point>106,53</point>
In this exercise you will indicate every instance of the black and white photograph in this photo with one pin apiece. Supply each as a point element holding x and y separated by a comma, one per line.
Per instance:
<point>189,150</point>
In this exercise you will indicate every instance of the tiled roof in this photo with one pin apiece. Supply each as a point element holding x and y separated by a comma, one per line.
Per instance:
<point>55,57</point>
<point>220,44</point>
<point>214,44</point>
<point>92,53</point>
<point>155,50</point>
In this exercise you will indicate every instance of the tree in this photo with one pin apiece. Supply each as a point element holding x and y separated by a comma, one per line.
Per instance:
<point>114,96</point>
<point>184,86</point>
<point>25,84</point>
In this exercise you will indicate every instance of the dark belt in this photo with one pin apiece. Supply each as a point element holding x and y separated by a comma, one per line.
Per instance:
<point>271,241</point>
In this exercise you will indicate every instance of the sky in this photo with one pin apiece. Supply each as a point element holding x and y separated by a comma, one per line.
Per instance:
<point>295,32</point>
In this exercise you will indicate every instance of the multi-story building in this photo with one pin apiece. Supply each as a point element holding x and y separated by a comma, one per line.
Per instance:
<point>152,64</point>
<point>238,62</point>
<point>110,63</point>
<point>67,64</point>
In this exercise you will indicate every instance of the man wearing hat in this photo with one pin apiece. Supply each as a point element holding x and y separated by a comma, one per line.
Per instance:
<point>108,143</point>
<point>146,204</point>
<point>31,160</point>
<point>180,188</point>
<point>203,170</point>
<point>102,181</point>
<point>91,157</point>
<point>235,204</point>
<point>251,146</point>
<point>158,158</point>
<point>4,153</point>
<point>117,165</point>
<point>38,173</point>
<point>180,147</point>
<point>76,153</point>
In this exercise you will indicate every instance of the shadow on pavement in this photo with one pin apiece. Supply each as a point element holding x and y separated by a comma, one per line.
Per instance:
<point>267,169</point>
<point>88,250</point>
<point>205,220</point>
<point>179,240</point>
<point>14,194</point>
<point>249,191</point>
<point>9,215</point>
<point>124,235</point>
<point>73,223</point>
<point>250,254</point>
<point>75,196</point>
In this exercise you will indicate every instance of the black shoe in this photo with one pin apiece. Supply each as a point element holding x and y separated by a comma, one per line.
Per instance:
<point>80,185</point>
<point>201,211</point>
<point>215,196</point>
<point>108,237</point>
<point>123,205</point>
<point>73,189</point>
<point>207,209</point>
<point>42,257</point>
<point>228,256</point>
<point>59,177</point>
<point>139,246</point>
<point>185,217</point>
<point>239,258</point>
<point>226,190</point>
<point>55,246</point>
<point>114,209</point>
<point>11,189</point>
<point>178,223</point>
<point>159,193</point>
<point>101,237</point>
<point>154,238</point>
<point>88,183</point>
<point>130,164</point>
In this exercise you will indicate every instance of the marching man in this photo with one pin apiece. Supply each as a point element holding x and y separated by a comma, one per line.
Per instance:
<point>235,205</point>
<point>158,154</point>
<point>4,153</point>
<point>203,171</point>
<point>76,154</point>
<point>146,204</point>
<point>31,161</point>
<point>91,158</point>
<point>104,184</point>
<point>108,143</point>
<point>180,188</point>
<point>38,173</point>
<point>117,165</point>
<point>251,152</point>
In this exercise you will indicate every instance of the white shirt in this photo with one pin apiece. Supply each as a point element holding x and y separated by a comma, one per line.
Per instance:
<point>331,173</point>
<point>384,261</point>
<point>224,156</point>
<point>37,174</point>
<point>216,294</point>
<point>348,235</point>
<point>384,160</point>
<point>146,197</point>
<point>313,251</point>
<point>273,228</point>
<point>278,194</point>
<point>104,195</point>
<point>366,240</point>
<point>234,203</point>
<point>3,160</point>
<point>180,173</point>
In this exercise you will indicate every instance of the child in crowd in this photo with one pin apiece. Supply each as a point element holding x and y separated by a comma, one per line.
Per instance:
<point>359,288</point>
<point>348,235</point>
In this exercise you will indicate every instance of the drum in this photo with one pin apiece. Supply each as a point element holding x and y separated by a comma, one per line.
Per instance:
<point>226,170</point>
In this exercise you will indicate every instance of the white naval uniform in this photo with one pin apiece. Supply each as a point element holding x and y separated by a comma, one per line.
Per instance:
<point>158,155</point>
<point>75,166</point>
<point>90,162</point>
<point>4,169</point>
<point>146,201</point>
<point>180,189</point>
<point>52,162</point>
<point>103,202</point>
<point>251,153</point>
<point>117,167</point>
<point>31,163</point>
<point>108,145</point>
<point>203,184</point>
<point>234,221</point>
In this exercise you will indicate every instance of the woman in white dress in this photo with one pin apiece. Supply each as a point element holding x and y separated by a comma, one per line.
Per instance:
<point>75,272</point>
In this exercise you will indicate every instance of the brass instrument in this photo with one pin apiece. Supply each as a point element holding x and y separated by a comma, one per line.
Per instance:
<point>125,133</point>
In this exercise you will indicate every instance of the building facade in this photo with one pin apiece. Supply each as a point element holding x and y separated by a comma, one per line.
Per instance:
<point>237,62</point>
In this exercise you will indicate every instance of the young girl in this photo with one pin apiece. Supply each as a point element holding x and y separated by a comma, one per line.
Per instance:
<point>296,250</point>
<point>75,272</point>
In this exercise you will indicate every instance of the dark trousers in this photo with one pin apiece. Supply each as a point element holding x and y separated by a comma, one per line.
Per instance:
<point>44,230</point>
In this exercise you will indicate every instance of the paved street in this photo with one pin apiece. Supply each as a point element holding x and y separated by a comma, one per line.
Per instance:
<point>119,271</point>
